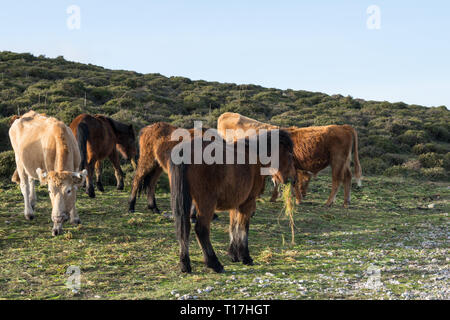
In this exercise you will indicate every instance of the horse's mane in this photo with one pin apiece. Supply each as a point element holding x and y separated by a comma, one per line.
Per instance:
<point>283,137</point>
<point>119,127</point>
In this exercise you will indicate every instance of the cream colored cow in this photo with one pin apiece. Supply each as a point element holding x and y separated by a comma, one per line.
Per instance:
<point>46,150</point>
<point>239,126</point>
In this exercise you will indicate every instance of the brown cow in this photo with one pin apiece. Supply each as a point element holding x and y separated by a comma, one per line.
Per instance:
<point>315,148</point>
<point>100,137</point>
<point>46,150</point>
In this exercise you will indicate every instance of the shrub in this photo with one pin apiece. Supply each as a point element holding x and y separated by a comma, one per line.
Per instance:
<point>7,164</point>
<point>4,135</point>
<point>430,160</point>
<point>383,142</point>
<point>401,171</point>
<point>428,147</point>
<point>413,164</point>
<point>446,161</point>
<point>438,132</point>
<point>394,158</point>
<point>436,173</point>
<point>413,137</point>
<point>373,165</point>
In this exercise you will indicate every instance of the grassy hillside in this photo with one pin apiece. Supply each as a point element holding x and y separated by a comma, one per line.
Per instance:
<point>395,138</point>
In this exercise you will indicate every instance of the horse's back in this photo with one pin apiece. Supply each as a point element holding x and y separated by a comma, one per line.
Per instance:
<point>100,139</point>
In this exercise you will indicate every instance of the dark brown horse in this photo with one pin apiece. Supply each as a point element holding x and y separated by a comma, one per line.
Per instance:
<point>232,187</point>
<point>155,146</point>
<point>100,137</point>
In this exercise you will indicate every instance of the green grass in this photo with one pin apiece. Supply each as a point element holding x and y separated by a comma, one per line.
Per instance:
<point>135,256</point>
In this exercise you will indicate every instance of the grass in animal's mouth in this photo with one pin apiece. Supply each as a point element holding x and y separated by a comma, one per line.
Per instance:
<point>289,206</point>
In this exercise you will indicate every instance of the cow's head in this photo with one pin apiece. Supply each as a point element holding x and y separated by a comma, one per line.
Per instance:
<point>62,187</point>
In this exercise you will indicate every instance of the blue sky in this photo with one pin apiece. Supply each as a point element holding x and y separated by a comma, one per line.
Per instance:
<point>320,46</point>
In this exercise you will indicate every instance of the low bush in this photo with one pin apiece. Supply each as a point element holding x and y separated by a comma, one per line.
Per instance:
<point>431,160</point>
<point>7,165</point>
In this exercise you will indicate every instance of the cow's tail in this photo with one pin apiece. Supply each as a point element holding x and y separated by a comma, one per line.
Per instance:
<point>82,137</point>
<point>358,171</point>
<point>181,202</point>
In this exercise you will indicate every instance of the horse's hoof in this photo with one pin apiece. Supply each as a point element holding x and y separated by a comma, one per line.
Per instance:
<point>100,188</point>
<point>248,261</point>
<point>185,268</point>
<point>76,221</point>
<point>219,269</point>
<point>29,217</point>
<point>90,192</point>
<point>130,210</point>
<point>120,187</point>
<point>153,209</point>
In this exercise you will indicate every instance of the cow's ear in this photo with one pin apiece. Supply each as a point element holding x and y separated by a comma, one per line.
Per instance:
<point>42,176</point>
<point>78,178</point>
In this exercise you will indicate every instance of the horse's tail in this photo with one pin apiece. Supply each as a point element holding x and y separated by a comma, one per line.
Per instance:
<point>358,171</point>
<point>82,137</point>
<point>181,201</point>
<point>138,148</point>
<point>144,184</point>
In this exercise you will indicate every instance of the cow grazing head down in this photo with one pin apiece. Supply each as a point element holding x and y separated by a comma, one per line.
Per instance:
<point>62,188</point>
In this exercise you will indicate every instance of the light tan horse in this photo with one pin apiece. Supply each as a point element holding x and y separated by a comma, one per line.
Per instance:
<point>46,150</point>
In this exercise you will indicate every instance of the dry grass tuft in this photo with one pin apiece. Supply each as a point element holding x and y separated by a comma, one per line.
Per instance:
<point>289,208</point>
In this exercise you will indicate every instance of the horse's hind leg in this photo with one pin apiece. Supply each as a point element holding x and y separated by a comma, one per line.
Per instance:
<point>337,177</point>
<point>155,174</point>
<point>296,187</point>
<point>239,226</point>
<point>274,193</point>
<point>347,186</point>
<point>202,230</point>
<point>98,173</point>
<point>114,158</point>
<point>89,179</point>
